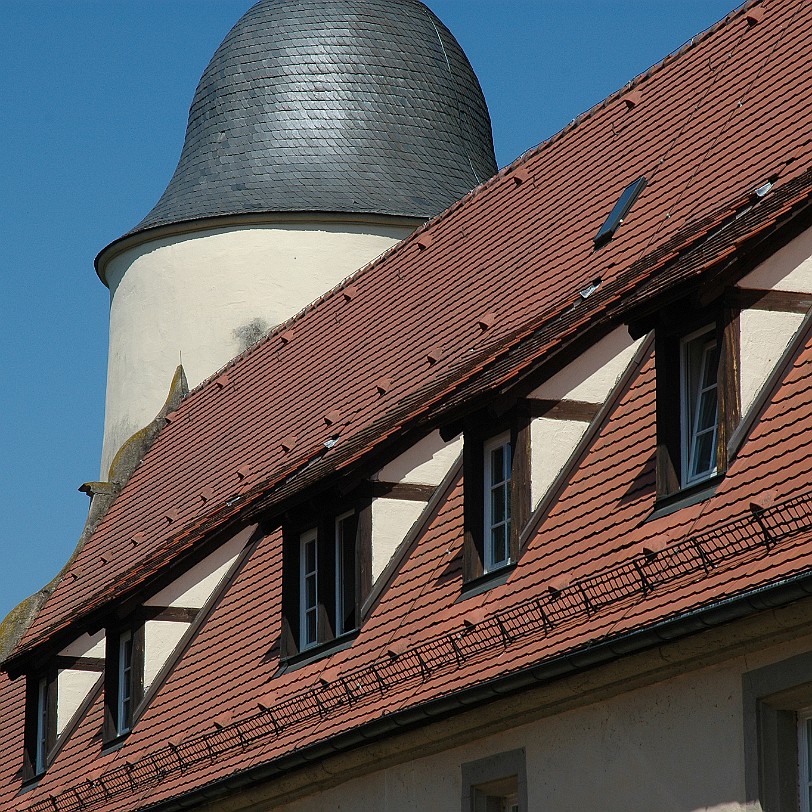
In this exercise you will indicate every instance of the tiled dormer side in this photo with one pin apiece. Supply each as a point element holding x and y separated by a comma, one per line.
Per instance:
<point>774,298</point>
<point>564,405</point>
<point>401,490</point>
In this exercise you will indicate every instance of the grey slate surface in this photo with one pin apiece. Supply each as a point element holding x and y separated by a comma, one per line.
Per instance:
<point>364,106</point>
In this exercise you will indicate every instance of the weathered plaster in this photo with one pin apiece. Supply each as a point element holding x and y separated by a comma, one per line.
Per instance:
<point>73,686</point>
<point>593,375</point>
<point>160,639</point>
<point>764,336</point>
<point>551,444</point>
<point>789,268</point>
<point>197,584</point>
<point>193,298</point>
<point>86,646</point>
<point>391,521</point>
<point>425,463</point>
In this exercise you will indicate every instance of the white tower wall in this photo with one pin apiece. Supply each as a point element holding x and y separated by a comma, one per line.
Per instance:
<point>200,298</point>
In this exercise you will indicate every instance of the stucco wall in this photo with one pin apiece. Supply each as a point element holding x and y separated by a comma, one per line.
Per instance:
<point>673,746</point>
<point>201,298</point>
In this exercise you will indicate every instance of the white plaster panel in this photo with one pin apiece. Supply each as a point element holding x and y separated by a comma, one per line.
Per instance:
<point>391,521</point>
<point>160,639</point>
<point>72,688</point>
<point>85,646</point>
<point>196,585</point>
<point>764,336</point>
<point>187,297</point>
<point>425,463</point>
<point>591,377</point>
<point>551,445</point>
<point>789,268</point>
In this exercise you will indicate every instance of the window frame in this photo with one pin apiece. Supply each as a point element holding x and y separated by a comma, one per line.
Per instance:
<point>40,722</point>
<point>501,442</point>
<point>118,722</point>
<point>499,777</point>
<point>299,528</point>
<point>482,433</point>
<point>692,392</point>
<point>673,337</point>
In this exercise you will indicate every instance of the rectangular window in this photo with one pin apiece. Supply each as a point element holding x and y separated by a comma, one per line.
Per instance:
<point>42,726</point>
<point>125,682</point>
<point>40,721</point>
<point>697,368</point>
<point>496,473</point>
<point>497,783</point>
<point>325,578</point>
<point>123,679</point>
<point>699,361</point>
<point>498,455</point>
<point>309,588</point>
<point>346,528</point>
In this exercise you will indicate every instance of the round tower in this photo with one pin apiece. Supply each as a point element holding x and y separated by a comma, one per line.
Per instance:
<point>321,133</point>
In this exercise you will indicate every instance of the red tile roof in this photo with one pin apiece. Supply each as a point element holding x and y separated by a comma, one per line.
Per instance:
<point>520,254</point>
<point>577,584</point>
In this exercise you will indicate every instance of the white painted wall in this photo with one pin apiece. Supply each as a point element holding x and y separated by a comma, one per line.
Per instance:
<point>160,639</point>
<point>551,444</point>
<point>425,463</point>
<point>591,377</point>
<point>790,268</point>
<point>72,688</point>
<point>391,521</point>
<point>673,746</point>
<point>196,585</point>
<point>193,297</point>
<point>85,646</point>
<point>764,336</point>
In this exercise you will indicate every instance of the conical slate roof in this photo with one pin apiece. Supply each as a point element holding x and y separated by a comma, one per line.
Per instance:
<point>364,106</point>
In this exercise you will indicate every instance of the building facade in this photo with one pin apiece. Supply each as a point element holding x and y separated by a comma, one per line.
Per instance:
<point>517,516</point>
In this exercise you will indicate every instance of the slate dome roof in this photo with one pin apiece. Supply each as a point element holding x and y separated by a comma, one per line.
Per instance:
<point>364,106</point>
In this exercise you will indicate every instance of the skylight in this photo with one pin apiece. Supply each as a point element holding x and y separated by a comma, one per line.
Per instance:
<point>621,209</point>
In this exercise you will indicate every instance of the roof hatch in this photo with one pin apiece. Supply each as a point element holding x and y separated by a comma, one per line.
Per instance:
<point>621,209</point>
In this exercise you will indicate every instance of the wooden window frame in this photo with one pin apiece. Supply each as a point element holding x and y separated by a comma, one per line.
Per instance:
<point>480,431</point>
<point>40,722</point>
<point>329,629</point>
<point>671,334</point>
<point>114,727</point>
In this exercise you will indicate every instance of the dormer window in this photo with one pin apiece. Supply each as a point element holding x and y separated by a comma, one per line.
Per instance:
<point>699,357</point>
<point>123,679</point>
<point>697,396</point>
<point>322,581</point>
<point>497,492</point>
<point>498,459</point>
<point>40,726</point>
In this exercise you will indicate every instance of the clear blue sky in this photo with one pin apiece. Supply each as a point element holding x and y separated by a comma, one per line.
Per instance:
<point>94,96</point>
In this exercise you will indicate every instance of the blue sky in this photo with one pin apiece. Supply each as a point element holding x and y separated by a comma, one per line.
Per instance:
<point>94,97</point>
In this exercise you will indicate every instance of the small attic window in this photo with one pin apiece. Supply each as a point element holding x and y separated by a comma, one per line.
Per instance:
<point>619,212</point>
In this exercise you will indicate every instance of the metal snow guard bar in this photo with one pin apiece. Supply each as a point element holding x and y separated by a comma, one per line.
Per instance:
<point>636,577</point>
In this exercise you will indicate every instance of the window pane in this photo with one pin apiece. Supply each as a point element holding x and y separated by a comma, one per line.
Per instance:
<point>497,465</point>
<point>704,453</point>
<point>706,414</point>
<point>498,545</point>
<point>498,505</point>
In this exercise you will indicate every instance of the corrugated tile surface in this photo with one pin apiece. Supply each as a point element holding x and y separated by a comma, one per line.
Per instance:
<point>586,547</point>
<point>522,252</point>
